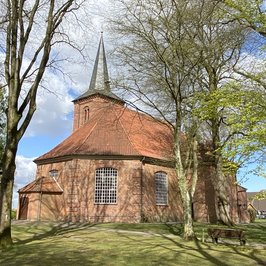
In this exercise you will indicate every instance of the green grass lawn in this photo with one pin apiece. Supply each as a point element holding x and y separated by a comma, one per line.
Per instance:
<point>127,244</point>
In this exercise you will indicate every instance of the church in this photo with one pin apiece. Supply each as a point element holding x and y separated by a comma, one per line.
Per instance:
<point>117,166</point>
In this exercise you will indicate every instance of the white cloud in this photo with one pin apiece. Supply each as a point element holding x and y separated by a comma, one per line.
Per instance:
<point>53,108</point>
<point>251,63</point>
<point>25,173</point>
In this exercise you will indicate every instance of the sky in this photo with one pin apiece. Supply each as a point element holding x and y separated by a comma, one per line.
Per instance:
<point>53,119</point>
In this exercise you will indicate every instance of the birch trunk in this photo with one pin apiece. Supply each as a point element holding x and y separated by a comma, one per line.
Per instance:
<point>188,230</point>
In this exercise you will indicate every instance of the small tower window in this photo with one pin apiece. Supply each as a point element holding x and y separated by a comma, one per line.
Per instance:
<point>86,114</point>
<point>53,173</point>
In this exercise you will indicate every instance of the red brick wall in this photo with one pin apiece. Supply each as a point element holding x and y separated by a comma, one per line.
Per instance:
<point>77,179</point>
<point>94,105</point>
<point>242,205</point>
<point>203,200</point>
<point>153,212</point>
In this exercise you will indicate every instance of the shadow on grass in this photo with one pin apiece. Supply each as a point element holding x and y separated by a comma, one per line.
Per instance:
<point>224,253</point>
<point>180,247</point>
<point>199,249</point>
<point>58,229</point>
<point>71,244</point>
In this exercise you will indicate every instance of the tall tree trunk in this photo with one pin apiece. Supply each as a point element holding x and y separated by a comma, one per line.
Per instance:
<point>220,182</point>
<point>20,25</point>
<point>222,196</point>
<point>188,230</point>
<point>7,183</point>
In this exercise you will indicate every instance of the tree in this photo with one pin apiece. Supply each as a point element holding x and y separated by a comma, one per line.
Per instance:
<point>244,115</point>
<point>30,29</point>
<point>250,102</point>
<point>162,69</point>
<point>2,123</point>
<point>219,41</point>
<point>179,54</point>
<point>249,13</point>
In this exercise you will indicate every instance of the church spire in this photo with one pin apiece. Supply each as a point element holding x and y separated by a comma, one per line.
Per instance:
<point>100,84</point>
<point>100,77</point>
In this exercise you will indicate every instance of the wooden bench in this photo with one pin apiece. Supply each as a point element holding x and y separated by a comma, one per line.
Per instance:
<point>216,233</point>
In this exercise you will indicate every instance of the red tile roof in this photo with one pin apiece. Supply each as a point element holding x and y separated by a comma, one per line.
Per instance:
<point>117,131</point>
<point>44,185</point>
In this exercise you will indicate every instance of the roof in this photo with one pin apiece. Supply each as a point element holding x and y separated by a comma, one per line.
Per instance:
<point>258,204</point>
<point>100,83</point>
<point>42,184</point>
<point>241,189</point>
<point>113,129</point>
<point>117,130</point>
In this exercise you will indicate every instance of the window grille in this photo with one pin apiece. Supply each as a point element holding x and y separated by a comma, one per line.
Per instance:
<point>106,186</point>
<point>161,188</point>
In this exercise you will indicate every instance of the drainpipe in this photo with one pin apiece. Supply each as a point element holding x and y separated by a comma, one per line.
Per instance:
<point>141,191</point>
<point>40,202</point>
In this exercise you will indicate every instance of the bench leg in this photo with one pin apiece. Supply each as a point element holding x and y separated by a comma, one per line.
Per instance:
<point>215,240</point>
<point>242,242</point>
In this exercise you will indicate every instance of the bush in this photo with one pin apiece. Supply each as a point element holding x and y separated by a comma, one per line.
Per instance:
<point>252,215</point>
<point>13,214</point>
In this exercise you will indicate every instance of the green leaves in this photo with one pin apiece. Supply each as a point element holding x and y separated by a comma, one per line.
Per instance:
<point>260,195</point>
<point>251,13</point>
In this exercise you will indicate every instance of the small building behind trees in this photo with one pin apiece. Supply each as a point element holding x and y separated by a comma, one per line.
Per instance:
<point>118,166</point>
<point>258,203</point>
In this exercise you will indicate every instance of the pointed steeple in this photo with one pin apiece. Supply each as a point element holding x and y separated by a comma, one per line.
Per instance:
<point>100,83</point>
<point>100,77</point>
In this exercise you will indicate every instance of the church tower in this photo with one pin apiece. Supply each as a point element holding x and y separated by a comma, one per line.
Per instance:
<point>98,95</point>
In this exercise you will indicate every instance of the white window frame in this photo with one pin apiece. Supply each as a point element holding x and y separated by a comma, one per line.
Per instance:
<point>106,185</point>
<point>161,188</point>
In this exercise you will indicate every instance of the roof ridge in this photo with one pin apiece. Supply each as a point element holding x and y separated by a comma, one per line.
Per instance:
<point>133,146</point>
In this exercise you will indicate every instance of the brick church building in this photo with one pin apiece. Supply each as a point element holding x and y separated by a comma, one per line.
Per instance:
<point>116,166</point>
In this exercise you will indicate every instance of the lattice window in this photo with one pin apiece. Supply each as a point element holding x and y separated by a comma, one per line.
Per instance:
<point>161,188</point>
<point>106,186</point>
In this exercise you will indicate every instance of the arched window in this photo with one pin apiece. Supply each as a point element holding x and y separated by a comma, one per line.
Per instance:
<point>86,114</point>
<point>53,173</point>
<point>106,186</point>
<point>161,188</point>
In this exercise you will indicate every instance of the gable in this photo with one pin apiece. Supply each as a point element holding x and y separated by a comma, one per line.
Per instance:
<point>42,184</point>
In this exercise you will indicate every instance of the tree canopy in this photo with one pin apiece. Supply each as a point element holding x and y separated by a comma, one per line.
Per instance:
<point>186,61</point>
